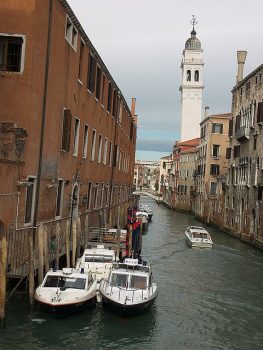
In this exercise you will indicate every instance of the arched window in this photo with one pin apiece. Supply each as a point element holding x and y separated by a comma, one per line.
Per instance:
<point>188,75</point>
<point>197,75</point>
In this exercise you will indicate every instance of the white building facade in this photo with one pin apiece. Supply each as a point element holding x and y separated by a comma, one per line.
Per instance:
<point>191,88</point>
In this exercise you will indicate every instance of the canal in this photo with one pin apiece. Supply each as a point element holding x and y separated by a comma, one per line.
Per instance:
<point>208,299</point>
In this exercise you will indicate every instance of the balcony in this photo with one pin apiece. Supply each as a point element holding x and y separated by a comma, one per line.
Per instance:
<point>242,133</point>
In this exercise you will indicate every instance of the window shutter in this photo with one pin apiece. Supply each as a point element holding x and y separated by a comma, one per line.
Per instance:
<point>260,113</point>
<point>66,130</point>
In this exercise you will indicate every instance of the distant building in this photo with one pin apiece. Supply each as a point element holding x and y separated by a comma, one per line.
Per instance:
<point>181,182</point>
<point>165,167</point>
<point>191,87</point>
<point>244,194</point>
<point>211,163</point>
<point>146,175</point>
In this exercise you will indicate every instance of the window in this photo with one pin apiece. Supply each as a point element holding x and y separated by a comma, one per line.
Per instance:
<point>230,128</point>
<point>76,138</point>
<point>66,130</point>
<point>215,151</point>
<point>89,195</point>
<point>91,74</point>
<point>109,98</point>
<point>197,75</point>
<point>102,90</point>
<point>100,149</point>
<point>12,53</point>
<point>217,128</point>
<point>30,197</point>
<point>71,34</point>
<point>214,169</point>
<point>105,150</point>
<point>59,197</point>
<point>115,103</point>
<point>237,124</point>
<point>188,75</point>
<point>85,141</point>
<point>131,131</point>
<point>93,144</point>
<point>110,154</point>
<point>236,151</point>
<point>98,83</point>
<point>81,50</point>
<point>255,143</point>
<point>213,186</point>
<point>260,113</point>
<point>228,153</point>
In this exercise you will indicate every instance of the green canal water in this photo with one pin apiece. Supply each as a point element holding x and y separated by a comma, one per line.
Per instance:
<point>208,300</point>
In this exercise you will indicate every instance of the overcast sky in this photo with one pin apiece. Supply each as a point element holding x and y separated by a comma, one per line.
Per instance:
<point>141,43</point>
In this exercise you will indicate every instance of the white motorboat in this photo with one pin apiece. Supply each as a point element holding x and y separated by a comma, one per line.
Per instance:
<point>198,237</point>
<point>143,216</point>
<point>66,291</point>
<point>148,210</point>
<point>98,261</point>
<point>129,287</point>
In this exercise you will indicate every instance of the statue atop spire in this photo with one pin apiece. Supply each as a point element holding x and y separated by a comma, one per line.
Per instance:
<point>194,22</point>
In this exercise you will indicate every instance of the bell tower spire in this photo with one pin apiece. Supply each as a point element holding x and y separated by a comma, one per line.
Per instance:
<point>192,86</point>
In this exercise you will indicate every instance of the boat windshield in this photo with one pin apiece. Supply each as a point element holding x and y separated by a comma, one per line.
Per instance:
<point>200,235</point>
<point>138,282</point>
<point>99,258</point>
<point>65,282</point>
<point>120,280</point>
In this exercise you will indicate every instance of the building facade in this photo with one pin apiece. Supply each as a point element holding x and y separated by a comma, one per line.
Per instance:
<point>245,175</point>
<point>67,135</point>
<point>191,87</point>
<point>211,163</point>
<point>181,180</point>
<point>146,175</point>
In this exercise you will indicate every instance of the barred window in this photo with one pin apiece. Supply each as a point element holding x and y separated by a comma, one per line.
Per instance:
<point>11,53</point>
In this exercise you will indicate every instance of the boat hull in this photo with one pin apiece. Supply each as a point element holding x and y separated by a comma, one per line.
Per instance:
<point>198,244</point>
<point>130,309</point>
<point>65,309</point>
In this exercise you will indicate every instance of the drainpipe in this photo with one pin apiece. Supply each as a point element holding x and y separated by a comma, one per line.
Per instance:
<point>113,143</point>
<point>41,146</point>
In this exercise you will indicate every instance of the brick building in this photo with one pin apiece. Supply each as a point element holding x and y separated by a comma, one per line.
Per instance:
<point>67,135</point>
<point>244,208</point>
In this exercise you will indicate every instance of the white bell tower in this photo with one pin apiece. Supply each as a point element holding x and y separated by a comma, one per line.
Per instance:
<point>191,87</point>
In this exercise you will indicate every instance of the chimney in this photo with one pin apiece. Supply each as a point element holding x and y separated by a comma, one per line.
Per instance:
<point>133,103</point>
<point>241,58</point>
<point>206,111</point>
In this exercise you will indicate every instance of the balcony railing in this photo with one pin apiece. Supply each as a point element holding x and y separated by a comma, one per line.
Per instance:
<point>242,133</point>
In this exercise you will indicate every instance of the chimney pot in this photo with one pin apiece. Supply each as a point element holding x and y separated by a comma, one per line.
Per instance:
<point>241,59</point>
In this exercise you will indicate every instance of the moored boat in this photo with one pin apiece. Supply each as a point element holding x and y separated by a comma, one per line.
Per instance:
<point>66,291</point>
<point>98,260</point>
<point>148,210</point>
<point>143,216</point>
<point>129,288</point>
<point>198,237</point>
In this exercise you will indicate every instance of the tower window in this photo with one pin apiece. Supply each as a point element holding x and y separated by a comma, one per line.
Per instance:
<point>188,75</point>
<point>197,75</point>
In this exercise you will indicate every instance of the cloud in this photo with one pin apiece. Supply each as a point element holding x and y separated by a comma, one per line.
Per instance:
<point>157,145</point>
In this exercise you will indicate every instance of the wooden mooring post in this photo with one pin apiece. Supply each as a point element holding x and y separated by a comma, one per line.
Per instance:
<point>3,264</point>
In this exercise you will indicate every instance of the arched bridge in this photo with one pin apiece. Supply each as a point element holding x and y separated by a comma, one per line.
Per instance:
<point>150,193</point>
